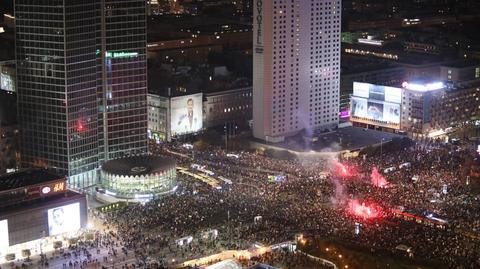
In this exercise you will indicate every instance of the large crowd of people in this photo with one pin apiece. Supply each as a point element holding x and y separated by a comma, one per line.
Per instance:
<point>310,196</point>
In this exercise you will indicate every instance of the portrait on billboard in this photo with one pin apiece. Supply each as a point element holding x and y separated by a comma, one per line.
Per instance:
<point>64,219</point>
<point>187,114</point>
<point>375,111</point>
<point>359,107</point>
<point>391,113</point>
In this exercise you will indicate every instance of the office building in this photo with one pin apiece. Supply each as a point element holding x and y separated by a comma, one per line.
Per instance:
<point>419,108</point>
<point>230,105</point>
<point>124,77</point>
<point>218,108</point>
<point>296,48</point>
<point>81,83</point>
<point>56,74</point>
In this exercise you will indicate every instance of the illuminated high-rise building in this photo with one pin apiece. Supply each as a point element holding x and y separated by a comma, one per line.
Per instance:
<point>123,107</point>
<point>81,74</point>
<point>296,72</point>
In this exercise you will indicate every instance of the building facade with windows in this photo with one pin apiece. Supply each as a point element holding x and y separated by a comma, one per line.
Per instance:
<point>123,122</point>
<point>56,85</point>
<point>158,107</point>
<point>81,83</point>
<point>233,105</point>
<point>296,73</point>
<point>218,108</point>
<point>428,109</point>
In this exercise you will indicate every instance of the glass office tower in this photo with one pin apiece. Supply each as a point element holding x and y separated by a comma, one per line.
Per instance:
<point>81,72</point>
<point>55,53</point>
<point>124,52</point>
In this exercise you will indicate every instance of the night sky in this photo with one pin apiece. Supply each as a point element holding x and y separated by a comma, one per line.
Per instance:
<point>6,6</point>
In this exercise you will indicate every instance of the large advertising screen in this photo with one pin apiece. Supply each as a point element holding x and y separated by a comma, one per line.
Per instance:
<point>6,82</point>
<point>359,107</point>
<point>361,89</point>
<point>391,113</point>
<point>64,219</point>
<point>375,110</point>
<point>186,114</point>
<point>393,95</point>
<point>4,243</point>
<point>377,92</point>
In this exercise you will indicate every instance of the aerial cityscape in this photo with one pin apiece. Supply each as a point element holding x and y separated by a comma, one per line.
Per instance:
<point>239,134</point>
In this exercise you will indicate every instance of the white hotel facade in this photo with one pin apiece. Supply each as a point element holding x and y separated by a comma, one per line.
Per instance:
<point>296,72</point>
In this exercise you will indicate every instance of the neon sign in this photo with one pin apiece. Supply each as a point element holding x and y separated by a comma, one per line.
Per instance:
<point>118,54</point>
<point>46,190</point>
<point>121,54</point>
<point>59,187</point>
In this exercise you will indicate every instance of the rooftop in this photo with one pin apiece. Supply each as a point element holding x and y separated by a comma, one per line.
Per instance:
<point>186,80</point>
<point>349,138</point>
<point>48,201</point>
<point>27,178</point>
<point>462,64</point>
<point>406,58</point>
<point>138,165</point>
<point>356,65</point>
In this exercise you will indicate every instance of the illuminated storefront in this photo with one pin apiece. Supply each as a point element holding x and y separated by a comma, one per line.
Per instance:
<point>138,178</point>
<point>36,211</point>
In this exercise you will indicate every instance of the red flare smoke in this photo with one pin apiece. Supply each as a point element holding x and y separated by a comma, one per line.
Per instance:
<point>364,210</point>
<point>377,179</point>
<point>343,170</point>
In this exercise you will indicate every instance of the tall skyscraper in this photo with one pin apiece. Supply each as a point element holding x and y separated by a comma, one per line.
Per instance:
<point>296,72</point>
<point>124,51</point>
<point>81,83</point>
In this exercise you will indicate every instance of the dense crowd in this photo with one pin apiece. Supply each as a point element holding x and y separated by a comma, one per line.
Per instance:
<point>311,199</point>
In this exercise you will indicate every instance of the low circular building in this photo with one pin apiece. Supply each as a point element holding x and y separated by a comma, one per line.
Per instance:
<point>138,177</point>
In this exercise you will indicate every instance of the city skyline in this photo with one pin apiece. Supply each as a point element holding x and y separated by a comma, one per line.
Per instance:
<point>239,134</point>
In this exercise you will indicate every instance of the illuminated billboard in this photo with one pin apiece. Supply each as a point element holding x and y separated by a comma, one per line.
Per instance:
<point>375,110</point>
<point>391,113</point>
<point>376,103</point>
<point>377,92</point>
<point>64,219</point>
<point>359,107</point>
<point>186,114</point>
<point>6,82</point>
<point>4,243</point>
<point>361,89</point>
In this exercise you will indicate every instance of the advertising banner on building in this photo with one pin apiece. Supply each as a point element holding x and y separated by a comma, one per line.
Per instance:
<point>375,110</point>
<point>376,103</point>
<point>186,114</point>
<point>377,92</point>
<point>6,82</point>
<point>64,219</point>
